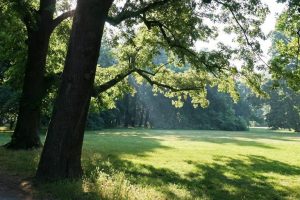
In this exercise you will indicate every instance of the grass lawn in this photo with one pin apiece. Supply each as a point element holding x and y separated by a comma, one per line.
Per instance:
<point>176,164</point>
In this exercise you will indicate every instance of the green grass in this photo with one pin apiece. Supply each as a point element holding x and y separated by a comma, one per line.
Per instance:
<point>173,164</point>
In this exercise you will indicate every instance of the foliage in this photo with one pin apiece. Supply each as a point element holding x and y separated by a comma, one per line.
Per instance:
<point>11,62</point>
<point>12,46</point>
<point>286,48</point>
<point>220,114</point>
<point>54,66</point>
<point>159,33</point>
<point>106,111</point>
<point>283,102</point>
<point>284,109</point>
<point>148,31</point>
<point>9,101</point>
<point>13,53</point>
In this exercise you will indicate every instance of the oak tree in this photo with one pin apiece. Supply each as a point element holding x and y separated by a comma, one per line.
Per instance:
<point>146,27</point>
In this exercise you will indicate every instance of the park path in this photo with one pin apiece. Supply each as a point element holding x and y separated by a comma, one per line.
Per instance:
<point>13,187</point>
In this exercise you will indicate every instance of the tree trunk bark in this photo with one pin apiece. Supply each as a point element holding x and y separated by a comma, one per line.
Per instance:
<point>26,133</point>
<point>133,114</point>
<point>141,117</point>
<point>61,156</point>
<point>147,118</point>
<point>11,124</point>
<point>127,113</point>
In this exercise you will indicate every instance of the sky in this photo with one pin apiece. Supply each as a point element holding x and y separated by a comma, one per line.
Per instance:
<point>267,27</point>
<point>275,8</point>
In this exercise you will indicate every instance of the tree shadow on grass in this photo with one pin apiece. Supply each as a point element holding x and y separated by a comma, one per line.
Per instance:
<point>118,143</point>
<point>237,137</point>
<point>196,135</point>
<point>98,147</point>
<point>216,138</point>
<point>155,136</point>
<point>238,142</point>
<point>225,178</point>
<point>229,178</point>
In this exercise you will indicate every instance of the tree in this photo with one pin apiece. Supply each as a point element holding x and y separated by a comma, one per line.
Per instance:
<point>161,29</point>
<point>71,106</point>
<point>39,24</point>
<point>284,109</point>
<point>285,70</point>
<point>286,47</point>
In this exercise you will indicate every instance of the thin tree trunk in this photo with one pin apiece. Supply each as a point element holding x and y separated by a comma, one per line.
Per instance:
<point>141,117</point>
<point>26,133</point>
<point>61,156</point>
<point>118,120</point>
<point>133,114</point>
<point>127,113</point>
<point>146,118</point>
<point>11,124</point>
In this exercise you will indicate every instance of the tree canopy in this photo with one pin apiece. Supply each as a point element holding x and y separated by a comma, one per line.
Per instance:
<point>286,51</point>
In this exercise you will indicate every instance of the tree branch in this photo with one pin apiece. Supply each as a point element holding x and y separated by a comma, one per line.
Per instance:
<point>61,18</point>
<point>162,85</point>
<point>126,14</point>
<point>146,72</point>
<point>174,43</point>
<point>109,84</point>
<point>244,31</point>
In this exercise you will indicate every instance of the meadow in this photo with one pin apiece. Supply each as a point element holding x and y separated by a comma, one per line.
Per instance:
<point>174,164</point>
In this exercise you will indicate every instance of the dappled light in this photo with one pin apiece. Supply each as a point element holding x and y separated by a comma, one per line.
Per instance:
<point>177,164</point>
<point>150,100</point>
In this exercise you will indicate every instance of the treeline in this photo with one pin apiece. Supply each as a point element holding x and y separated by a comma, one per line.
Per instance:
<point>148,110</point>
<point>280,109</point>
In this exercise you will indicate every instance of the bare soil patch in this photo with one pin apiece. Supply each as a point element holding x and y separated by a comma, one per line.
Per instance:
<point>13,187</point>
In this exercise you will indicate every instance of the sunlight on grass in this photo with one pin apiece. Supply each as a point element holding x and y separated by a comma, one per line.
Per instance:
<point>169,164</point>
<point>4,129</point>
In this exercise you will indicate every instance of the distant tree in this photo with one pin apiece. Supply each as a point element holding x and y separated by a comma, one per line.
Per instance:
<point>251,107</point>
<point>284,109</point>
<point>220,113</point>
<point>285,69</point>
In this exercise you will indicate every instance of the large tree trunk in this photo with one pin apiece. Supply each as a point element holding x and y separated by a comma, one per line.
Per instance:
<point>61,156</point>
<point>26,133</point>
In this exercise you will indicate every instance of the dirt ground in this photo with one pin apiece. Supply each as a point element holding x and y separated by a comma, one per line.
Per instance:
<point>13,187</point>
